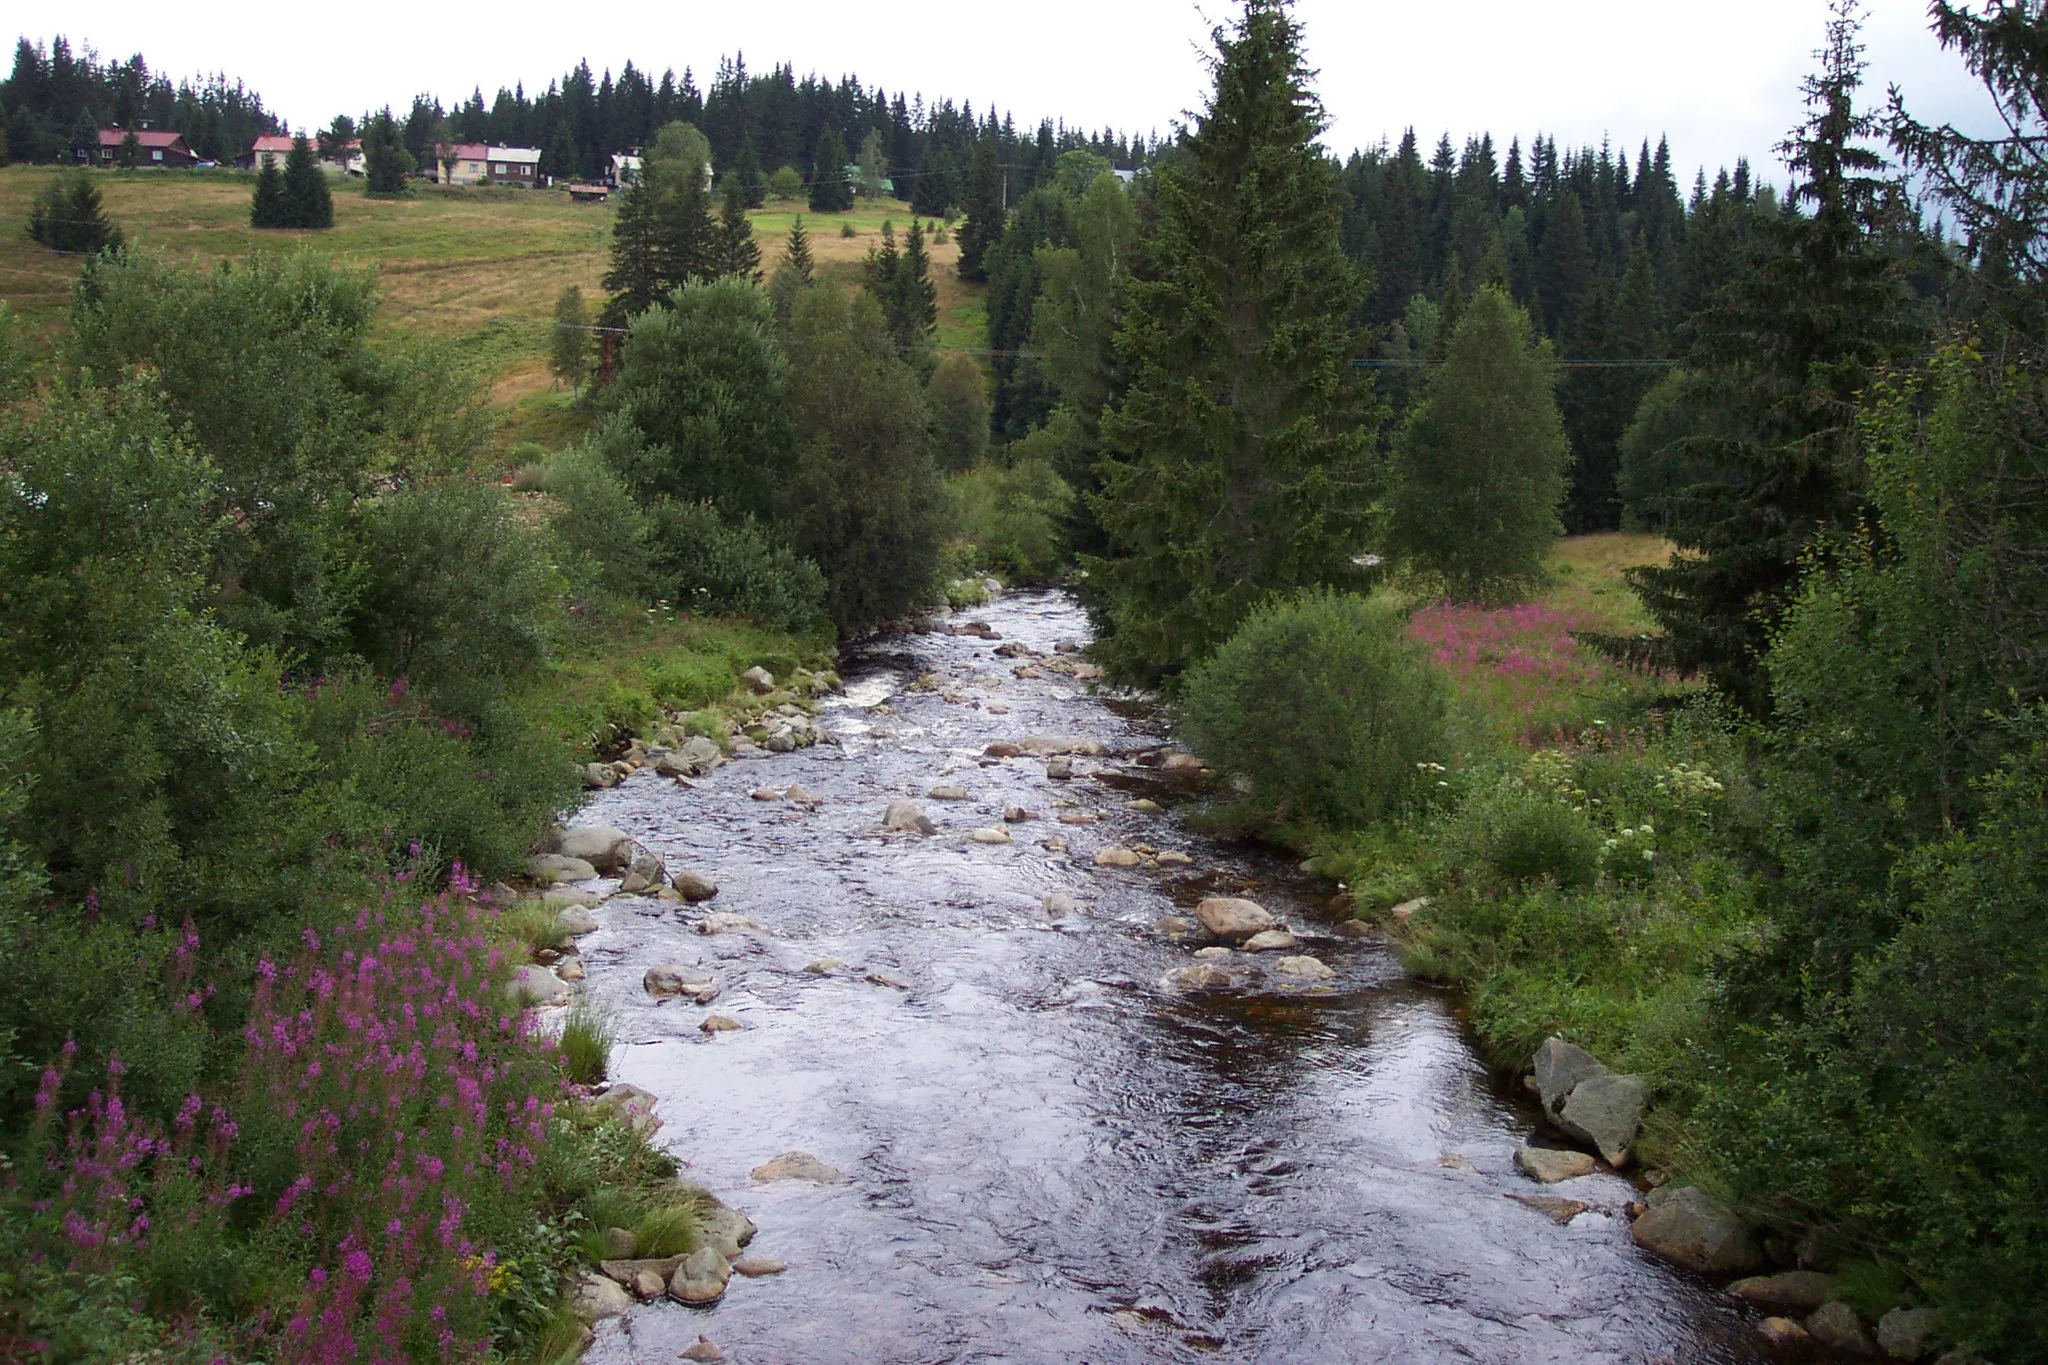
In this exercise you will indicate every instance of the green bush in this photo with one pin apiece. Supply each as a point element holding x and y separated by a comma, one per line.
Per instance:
<point>1322,706</point>
<point>1013,515</point>
<point>586,1048</point>
<point>601,533</point>
<point>704,563</point>
<point>1513,836</point>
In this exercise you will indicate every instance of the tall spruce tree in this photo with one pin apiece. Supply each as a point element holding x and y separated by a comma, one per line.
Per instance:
<point>1239,461</point>
<point>793,274</point>
<point>267,207</point>
<point>746,168</point>
<point>69,217</point>
<point>1785,351</point>
<point>831,191</point>
<point>307,203</point>
<point>386,162</point>
<point>685,234</point>
<point>985,215</point>
<point>735,252</point>
<point>633,279</point>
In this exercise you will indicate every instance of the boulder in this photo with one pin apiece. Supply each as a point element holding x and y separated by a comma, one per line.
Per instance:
<point>599,777</point>
<point>759,680</point>
<point>824,966</point>
<point>768,794</point>
<point>570,969</point>
<point>950,793</point>
<point>1018,815</point>
<point>1559,1211</point>
<point>1060,903</point>
<point>620,1244</point>
<point>1271,941</point>
<point>1003,749</point>
<point>1835,1325</point>
<point>994,834</point>
<point>1234,921</point>
<point>1907,1333</point>
<point>1353,928</point>
<point>1405,911</point>
<point>1180,763</point>
<point>598,1297</point>
<point>1607,1111</point>
<point>755,1267</point>
<point>1690,1226</point>
<point>532,985</point>
<point>1059,768</point>
<point>604,848</point>
<point>887,980</point>
<point>1549,1165</point>
<point>1054,746</point>
<point>1200,977</point>
<point>630,1105</point>
<point>1173,926</point>
<point>1305,968</point>
<point>1144,805</point>
<point>797,1166</point>
<point>1216,954</point>
<point>1174,858</point>
<point>643,874</point>
<point>648,1285</point>
<point>704,1351</point>
<point>905,817</point>
<point>575,921</point>
<point>701,1278</point>
<point>727,1229</point>
<point>694,887</point>
<point>1078,817</point>
<point>553,867</point>
<point>671,979</point>
<point>721,923</point>
<point>630,1273</point>
<point>1783,1333</point>
<point>719,1023</point>
<point>1116,857</point>
<point>1559,1066</point>
<point>695,757</point>
<point>1795,1291</point>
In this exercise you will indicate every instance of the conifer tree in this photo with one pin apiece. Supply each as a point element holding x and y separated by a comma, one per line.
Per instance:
<point>798,251</point>
<point>686,237</point>
<point>736,253</point>
<point>386,162</point>
<point>307,203</point>
<point>932,192</point>
<point>830,192</point>
<point>985,215</point>
<point>267,209</point>
<point>69,217</point>
<point>1239,461</point>
<point>1479,466</point>
<point>793,274</point>
<point>746,168</point>
<point>569,353</point>
<point>633,279</point>
<point>1785,352</point>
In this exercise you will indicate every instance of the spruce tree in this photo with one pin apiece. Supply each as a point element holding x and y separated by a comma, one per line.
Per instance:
<point>1480,463</point>
<point>797,254</point>
<point>746,168</point>
<point>830,192</point>
<point>1785,352</point>
<point>735,252</point>
<point>267,209</point>
<point>307,203</point>
<point>1239,461</point>
<point>685,235</point>
<point>633,279</point>
<point>931,189</point>
<point>386,162</point>
<point>793,274</point>
<point>914,301</point>
<point>984,225</point>
<point>69,217</point>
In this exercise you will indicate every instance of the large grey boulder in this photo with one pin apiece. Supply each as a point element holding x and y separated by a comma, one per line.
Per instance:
<point>759,680</point>
<point>694,758</point>
<point>674,979</point>
<point>1559,1066</point>
<point>726,1229</point>
<point>1794,1291</point>
<point>906,817</point>
<point>1690,1226</point>
<point>553,867</point>
<point>574,921</point>
<point>695,887</point>
<point>1907,1333</point>
<point>797,1166</point>
<point>598,1297</point>
<point>1233,920</point>
<point>531,985</point>
<point>1607,1111</point>
<point>604,848</point>
<point>1835,1324</point>
<point>644,873</point>
<point>701,1278</point>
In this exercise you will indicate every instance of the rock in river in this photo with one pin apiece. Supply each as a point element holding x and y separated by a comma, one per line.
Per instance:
<point>604,848</point>
<point>1200,977</point>
<point>701,1278</point>
<point>797,1166</point>
<point>1116,857</point>
<point>1306,968</point>
<point>905,817</point>
<point>644,873</point>
<point>531,985</point>
<point>671,979</point>
<point>1559,1066</point>
<point>755,1267</point>
<point>694,887</point>
<point>1794,1291</point>
<point>1835,1324</point>
<point>950,794</point>
<point>1905,1333</point>
<point>719,1023</point>
<point>705,1352</point>
<point>1234,921</point>
<point>1271,941</point>
<point>598,1297</point>
<point>1557,1210</point>
<point>720,923</point>
<point>1550,1166</point>
<point>553,867</point>
<point>994,834</point>
<point>1691,1227</point>
<point>1607,1111</point>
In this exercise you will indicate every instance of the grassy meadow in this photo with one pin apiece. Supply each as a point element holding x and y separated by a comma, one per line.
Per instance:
<point>480,267</point>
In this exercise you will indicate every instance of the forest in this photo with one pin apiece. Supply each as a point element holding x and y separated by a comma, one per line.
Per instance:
<point>1329,449</point>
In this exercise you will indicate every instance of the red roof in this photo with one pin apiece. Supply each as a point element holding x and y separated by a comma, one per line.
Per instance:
<point>146,137</point>
<point>272,142</point>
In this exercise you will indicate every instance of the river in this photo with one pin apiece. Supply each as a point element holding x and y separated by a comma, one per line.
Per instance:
<point>1050,1157</point>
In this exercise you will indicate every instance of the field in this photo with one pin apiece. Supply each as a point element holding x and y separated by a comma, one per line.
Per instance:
<point>481,267</point>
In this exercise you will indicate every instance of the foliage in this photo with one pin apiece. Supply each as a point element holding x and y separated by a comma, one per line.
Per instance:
<point>1322,707</point>
<point>386,160</point>
<point>786,183</point>
<point>601,535</point>
<point>830,190</point>
<point>67,216</point>
<point>734,252</point>
<point>958,394</point>
<point>1239,460</point>
<point>1012,513</point>
<point>866,501</point>
<point>1480,463</point>
<point>1514,835</point>
<point>569,344</point>
<point>267,208</point>
<point>710,564</point>
<point>586,1048</point>
<point>306,203</point>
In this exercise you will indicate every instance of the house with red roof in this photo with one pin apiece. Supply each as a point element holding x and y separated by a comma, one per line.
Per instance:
<point>154,147</point>
<point>474,163</point>
<point>271,147</point>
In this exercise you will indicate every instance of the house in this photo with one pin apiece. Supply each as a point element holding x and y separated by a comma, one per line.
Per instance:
<point>625,167</point>
<point>347,159</point>
<point>474,163</point>
<point>271,147</point>
<point>155,147</point>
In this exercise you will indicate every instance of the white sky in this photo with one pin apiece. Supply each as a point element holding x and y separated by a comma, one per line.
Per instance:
<point>1721,78</point>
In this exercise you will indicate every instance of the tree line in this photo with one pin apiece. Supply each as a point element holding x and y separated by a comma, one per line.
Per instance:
<point>54,103</point>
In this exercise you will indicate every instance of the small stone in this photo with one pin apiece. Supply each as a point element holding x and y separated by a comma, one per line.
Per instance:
<point>648,1285</point>
<point>1060,903</point>
<point>1835,1325</point>
<point>1144,805</point>
<point>1214,954</point>
<point>1180,763</point>
<point>703,1352</point>
<point>797,1166</point>
<point>701,1278</point>
<point>1271,941</point>
<point>768,794</point>
<point>1003,750</point>
<point>1550,1166</point>
<point>1306,968</point>
<point>571,969</point>
<point>905,817</point>
<point>1406,909</point>
<point>1795,1291</point>
<point>1560,1211</point>
<point>727,1229</point>
<point>721,923</point>
<point>950,794</point>
<point>995,834</point>
<point>759,680</point>
<point>620,1244</point>
<point>754,1267</point>
<point>693,887</point>
<point>1059,768</point>
<point>1354,928</point>
<point>719,1023</point>
<point>1017,815</point>
<point>1905,1333</point>
<point>885,979</point>
<point>1115,857</point>
<point>1234,920</point>
<point>1054,844</point>
<point>1200,977</point>
<point>674,979</point>
<point>1174,858</point>
<point>1783,1332</point>
<point>800,796</point>
<point>1173,926</point>
<point>824,966</point>
<point>598,1297</point>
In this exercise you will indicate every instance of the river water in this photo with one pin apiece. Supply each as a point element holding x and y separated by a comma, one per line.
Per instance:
<point>1049,1157</point>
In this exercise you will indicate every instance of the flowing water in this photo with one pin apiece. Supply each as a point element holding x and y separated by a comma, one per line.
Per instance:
<point>1050,1157</point>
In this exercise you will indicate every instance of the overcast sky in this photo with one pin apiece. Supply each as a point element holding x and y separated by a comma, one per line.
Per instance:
<point>1721,78</point>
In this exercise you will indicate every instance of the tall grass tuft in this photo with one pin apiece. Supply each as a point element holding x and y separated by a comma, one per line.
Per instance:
<point>587,1041</point>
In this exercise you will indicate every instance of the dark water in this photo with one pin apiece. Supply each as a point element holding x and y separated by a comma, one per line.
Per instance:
<point>1050,1157</point>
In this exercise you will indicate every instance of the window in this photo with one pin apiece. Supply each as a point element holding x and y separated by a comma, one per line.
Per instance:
<point>156,154</point>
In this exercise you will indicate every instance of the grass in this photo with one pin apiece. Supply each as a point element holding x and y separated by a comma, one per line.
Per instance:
<point>586,1045</point>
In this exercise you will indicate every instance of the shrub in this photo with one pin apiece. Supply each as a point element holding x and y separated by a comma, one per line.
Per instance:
<point>1320,704</point>
<point>958,393</point>
<point>703,563</point>
<point>601,533</point>
<point>1512,835</point>
<point>586,1047</point>
<point>1013,515</point>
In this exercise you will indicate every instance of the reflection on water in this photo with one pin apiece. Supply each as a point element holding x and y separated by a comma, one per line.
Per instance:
<point>1051,1158</point>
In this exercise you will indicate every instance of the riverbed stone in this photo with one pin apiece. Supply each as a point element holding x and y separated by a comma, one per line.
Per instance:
<point>553,867</point>
<point>1062,746</point>
<point>701,1278</point>
<point>1059,768</point>
<point>1783,1333</point>
<point>648,1285</point>
<point>1117,857</point>
<point>1217,953</point>
<point>1173,857</point>
<point>756,1267</point>
<point>949,793</point>
<point>1144,805</point>
<point>1271,941</point>
<point>1794,1291</point>
<point>1018,815</point>
<point>604,848</point>
<point>570,969</point>
<point>725,1228</point>
<point>758,680</point>
<point>994,834</point>
<point>574,921</point>
<point>536,985</point>
<point>1907,1333</point>
<point>630,1105</point>
<point>1557,1210</point>
<point>1060,903</point>
<point>598,1297</point>
<point>720,922</point>
<point>1200,977</point>
<point>620,1244</point>
<point>695,757</point>
<point>905,817</point>
<point>1078,817</point>
<point>644,873</point>
<point>1548,1165</point>
<point>1559,1066</point>
<point>1835,1325</point>
<point>798,1166</point>
<point>1234,920</point>
<point>1354,928</point>
<point>1304,968</point>
<point>1607,1111</point>
<point>704,1352</point>
<point>1003,749</point>
<point>694,887</point>
<point>1173,926</point>
<point>719,1023</point>
<point>1690,1226</point>
<point>1405,911</point>
<point>675,979</point>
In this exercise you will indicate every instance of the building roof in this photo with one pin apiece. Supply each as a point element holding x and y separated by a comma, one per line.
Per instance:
<point>530,154</point>
<point>271,142</point>
<point>146,137</point>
